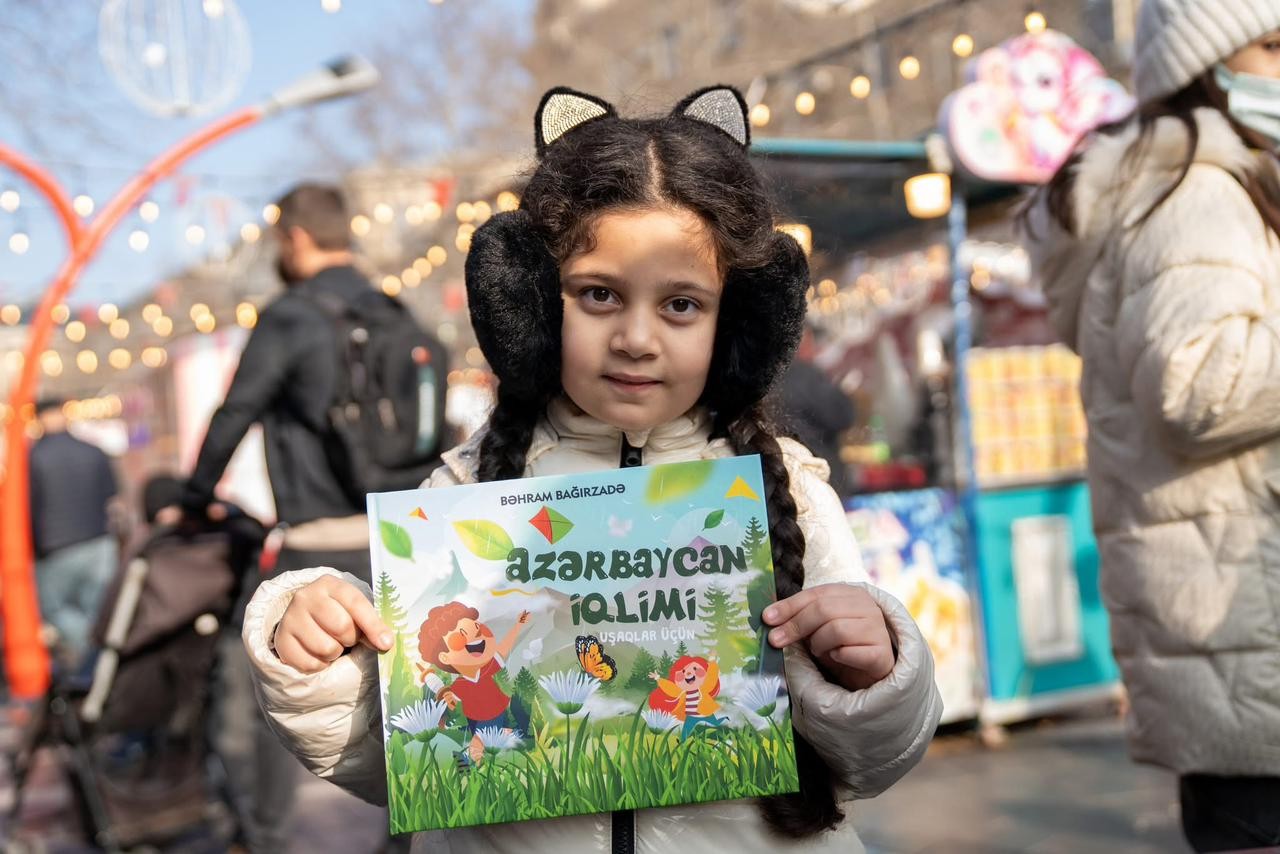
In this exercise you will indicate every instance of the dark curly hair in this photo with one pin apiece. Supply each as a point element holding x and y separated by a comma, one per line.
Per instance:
<point>676,162</point>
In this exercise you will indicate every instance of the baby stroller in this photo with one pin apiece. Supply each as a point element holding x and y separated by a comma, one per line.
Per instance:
<point>134,734</point>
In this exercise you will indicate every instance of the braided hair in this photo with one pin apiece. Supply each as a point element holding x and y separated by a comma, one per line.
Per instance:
<point>673,162</point>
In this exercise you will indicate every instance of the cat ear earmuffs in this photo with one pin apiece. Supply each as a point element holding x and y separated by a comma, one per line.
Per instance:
<point>513,282</point>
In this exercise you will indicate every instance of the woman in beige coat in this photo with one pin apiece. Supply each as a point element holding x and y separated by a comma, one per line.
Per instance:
<point>1157,246</point>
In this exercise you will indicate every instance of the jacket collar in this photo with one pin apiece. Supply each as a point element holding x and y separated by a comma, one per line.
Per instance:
<point>570,424</point>
<point>566,427</point>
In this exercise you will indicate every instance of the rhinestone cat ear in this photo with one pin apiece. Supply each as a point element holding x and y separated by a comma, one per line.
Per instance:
<point>721,107</point>
<point>563,109</point>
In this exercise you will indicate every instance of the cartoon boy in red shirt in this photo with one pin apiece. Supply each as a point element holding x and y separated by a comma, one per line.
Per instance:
<point>452,639</point>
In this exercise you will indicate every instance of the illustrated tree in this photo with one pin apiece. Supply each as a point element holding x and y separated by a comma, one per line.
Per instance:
<point>724,619</point>
<point>756,545</point>
<point>665,663</point>
<point>681,651</point>
<point>525,688</point>
<point>644,665</point>
<point>403,689</point>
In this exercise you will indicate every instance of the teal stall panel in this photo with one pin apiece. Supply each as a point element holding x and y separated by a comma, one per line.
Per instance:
<point>1044,620</point>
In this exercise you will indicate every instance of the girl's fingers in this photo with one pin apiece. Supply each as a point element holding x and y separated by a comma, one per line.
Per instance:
<point>837,601</point>
<point>315,640</point>
<point>289,651</point>
<point>875,661</point>
<point>364,615</point>
<point>846,632</point>
<point>335,621</point>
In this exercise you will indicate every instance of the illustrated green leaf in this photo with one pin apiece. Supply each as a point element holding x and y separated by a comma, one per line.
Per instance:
<point>396,540</point>
<point>714,518</point>
<point>667,483</point>
<point>484,539</point>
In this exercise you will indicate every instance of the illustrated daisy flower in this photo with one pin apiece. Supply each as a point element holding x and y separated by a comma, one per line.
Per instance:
<point>496,738</point>
<point>422,717</point>
<point>569,690</point>
<point>659,721</point>
<point>760,695</point>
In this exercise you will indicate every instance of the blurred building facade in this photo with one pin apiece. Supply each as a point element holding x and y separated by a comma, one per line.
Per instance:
<point>643,57</point>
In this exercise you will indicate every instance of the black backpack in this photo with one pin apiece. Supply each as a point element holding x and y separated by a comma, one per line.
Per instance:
<point>386,421</point>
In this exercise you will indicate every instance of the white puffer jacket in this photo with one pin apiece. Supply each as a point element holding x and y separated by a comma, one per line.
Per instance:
<point>870,738</point>
<point>1178,322</point>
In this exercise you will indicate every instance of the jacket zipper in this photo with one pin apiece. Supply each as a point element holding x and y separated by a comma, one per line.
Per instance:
<point>623,822</point>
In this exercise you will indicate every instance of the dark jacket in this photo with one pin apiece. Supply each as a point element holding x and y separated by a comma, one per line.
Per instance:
<point>285,380</point>
<point>71,484</point>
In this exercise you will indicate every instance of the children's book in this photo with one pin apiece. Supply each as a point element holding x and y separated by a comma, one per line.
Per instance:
<point>579,644</point>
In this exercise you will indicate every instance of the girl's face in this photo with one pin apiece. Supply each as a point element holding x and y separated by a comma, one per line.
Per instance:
<point>691,677</point>
<point>1261,58</point>
<point>640,313</point>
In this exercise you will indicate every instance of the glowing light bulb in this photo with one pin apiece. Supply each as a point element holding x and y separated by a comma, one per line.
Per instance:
<point>10,200</point>
<point>75,331</point>
<point>760,115</point>
<point>962,45</point>
<point>19,243</point>
<point>82,204</point>
<point>860,86</point>
<point>149,211</point>
<point>107,312</point>
<point>806,103</point>
<point>909,67</point>
<point>139,240</point>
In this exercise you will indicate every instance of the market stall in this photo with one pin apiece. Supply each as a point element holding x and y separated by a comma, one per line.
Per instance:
<point>968,454</point>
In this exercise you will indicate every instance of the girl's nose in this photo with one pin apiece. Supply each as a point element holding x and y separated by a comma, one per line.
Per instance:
<point>635,335</point>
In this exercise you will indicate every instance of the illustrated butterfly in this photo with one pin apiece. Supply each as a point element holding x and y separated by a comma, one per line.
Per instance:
<point>594,661</point>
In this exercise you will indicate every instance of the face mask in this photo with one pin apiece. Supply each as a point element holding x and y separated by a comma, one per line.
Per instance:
<point>1253,101</point>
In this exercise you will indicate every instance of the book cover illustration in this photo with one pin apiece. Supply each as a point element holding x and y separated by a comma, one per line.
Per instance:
<point>578,644</point>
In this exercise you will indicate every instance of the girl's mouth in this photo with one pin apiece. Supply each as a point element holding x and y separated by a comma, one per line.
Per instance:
<point>689,679</point>
<point>476,647</point>
<point>631,385</point>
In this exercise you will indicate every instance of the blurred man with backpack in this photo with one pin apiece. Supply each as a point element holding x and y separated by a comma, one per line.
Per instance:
<point>349,390</point>
<point>350,393</point>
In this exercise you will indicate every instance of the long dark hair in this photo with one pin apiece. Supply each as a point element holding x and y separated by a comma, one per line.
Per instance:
<point>675,162</point>
<point>1262,185</point>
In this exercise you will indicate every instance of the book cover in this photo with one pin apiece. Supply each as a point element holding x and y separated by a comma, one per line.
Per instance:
<point>579,644</point>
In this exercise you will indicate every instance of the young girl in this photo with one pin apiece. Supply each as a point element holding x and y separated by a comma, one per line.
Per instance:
<point>636,309</point>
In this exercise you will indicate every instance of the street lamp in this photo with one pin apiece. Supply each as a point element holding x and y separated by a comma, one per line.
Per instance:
<point>26,660</point>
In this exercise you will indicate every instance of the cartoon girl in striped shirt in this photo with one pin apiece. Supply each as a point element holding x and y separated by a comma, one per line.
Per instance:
<point>689,693</point>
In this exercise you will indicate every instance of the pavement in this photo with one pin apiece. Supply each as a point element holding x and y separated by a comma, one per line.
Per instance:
<point>1064,785</point>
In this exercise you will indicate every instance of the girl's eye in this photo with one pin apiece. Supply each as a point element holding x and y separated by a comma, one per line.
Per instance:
<point>597,297</point>
<point>682,305</point>
<point>1271,45</point>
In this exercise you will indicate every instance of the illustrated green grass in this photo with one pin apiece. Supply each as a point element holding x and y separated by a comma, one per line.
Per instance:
<point>584,768</point>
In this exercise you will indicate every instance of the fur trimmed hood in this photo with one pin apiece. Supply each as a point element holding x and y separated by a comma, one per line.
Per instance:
<point>1112,191</point>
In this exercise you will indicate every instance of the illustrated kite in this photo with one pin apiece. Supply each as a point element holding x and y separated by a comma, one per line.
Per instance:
<point>551,525</point>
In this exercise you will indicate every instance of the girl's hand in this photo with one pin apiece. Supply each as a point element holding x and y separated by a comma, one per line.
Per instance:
<point>324,620</point>
<point>843,628</point>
